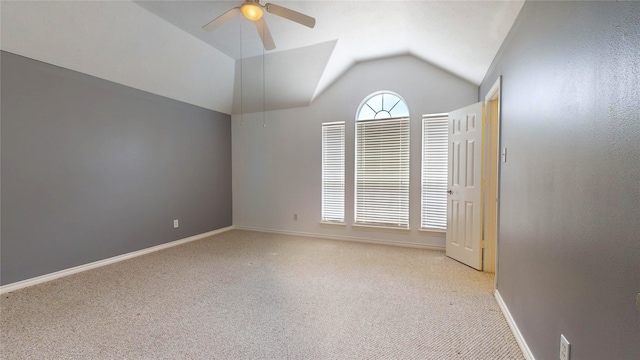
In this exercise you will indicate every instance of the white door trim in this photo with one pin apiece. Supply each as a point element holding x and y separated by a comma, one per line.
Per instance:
<point>491,170</point>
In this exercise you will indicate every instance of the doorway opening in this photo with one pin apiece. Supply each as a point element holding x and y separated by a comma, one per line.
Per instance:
<point>491,177</point>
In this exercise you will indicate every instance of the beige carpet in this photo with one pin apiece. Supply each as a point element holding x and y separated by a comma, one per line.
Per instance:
<point>250,295</point>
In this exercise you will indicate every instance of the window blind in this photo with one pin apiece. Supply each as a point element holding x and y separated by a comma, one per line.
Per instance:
<point>435,163</point>
<point>333,172</point>
<point>382,172</point>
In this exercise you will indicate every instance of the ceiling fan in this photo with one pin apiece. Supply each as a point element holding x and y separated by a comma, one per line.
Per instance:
<point>254,11</point>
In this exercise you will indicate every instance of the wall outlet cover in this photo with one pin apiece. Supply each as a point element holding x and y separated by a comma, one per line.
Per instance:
<point>565,348</point>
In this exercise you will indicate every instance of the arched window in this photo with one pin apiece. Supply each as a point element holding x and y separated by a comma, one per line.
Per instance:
<point>382,105</point>
<point>382,161</point>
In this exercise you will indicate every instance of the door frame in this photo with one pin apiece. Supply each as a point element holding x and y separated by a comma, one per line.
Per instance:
<point>491,175</point>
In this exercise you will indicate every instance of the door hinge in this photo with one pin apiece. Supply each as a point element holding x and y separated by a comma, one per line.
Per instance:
<point>483,244</point>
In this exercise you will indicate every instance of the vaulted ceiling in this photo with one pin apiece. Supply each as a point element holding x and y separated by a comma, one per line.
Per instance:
<point>160,47</point>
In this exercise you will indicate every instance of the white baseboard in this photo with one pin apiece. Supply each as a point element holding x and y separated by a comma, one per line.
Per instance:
<point>76,269</point>
<point>514,328</point>
<point>343,238</point>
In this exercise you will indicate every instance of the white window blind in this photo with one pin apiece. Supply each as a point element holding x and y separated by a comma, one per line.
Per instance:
<point>435,162</point>
<point>382,172</point>
<point>333,172</point>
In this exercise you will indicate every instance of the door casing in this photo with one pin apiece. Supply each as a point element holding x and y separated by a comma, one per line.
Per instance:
<point>491,176</point>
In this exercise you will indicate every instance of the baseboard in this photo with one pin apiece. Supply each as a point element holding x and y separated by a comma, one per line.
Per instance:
<point>514,328</point>
<point>343,238</point>
<point>76,269</point>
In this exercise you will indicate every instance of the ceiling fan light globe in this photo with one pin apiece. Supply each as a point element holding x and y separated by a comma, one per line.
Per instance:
<point>252,12</point>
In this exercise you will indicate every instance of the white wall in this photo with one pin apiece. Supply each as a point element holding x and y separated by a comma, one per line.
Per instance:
<point>277,168</point>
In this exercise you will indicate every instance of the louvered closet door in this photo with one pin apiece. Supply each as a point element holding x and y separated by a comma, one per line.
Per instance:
<point>464,204</point>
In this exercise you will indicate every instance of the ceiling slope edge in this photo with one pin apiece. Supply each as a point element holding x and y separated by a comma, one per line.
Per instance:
<point>280,80</point>
<point>347,68</point>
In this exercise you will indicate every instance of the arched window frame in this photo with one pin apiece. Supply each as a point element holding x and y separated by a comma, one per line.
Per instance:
<point>382,161</point>
<point>397,108</point>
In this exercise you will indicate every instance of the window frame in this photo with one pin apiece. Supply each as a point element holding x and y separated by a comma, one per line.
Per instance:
<point>334,216</point>
<point>399,129</point>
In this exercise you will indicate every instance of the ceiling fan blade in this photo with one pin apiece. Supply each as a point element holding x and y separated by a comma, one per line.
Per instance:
<point>217,22</point>
<point>291,15</point>
<point>265,34</point>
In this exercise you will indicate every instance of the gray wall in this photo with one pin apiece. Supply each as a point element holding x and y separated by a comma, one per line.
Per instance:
<point>569,241</point>
<point>92,169</point>
<point>277,169</point>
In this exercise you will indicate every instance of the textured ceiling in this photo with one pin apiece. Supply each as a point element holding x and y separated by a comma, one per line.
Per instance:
<point>160,47</point>
<point>461,37</point>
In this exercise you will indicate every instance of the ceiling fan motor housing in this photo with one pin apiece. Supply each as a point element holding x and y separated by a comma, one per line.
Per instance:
<point>254,11</point>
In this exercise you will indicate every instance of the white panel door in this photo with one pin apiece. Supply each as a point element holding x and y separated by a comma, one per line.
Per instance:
<point>464,223</point>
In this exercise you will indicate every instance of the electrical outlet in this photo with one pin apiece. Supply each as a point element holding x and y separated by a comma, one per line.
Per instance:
<point>175,223</point>
<point>565,348</point>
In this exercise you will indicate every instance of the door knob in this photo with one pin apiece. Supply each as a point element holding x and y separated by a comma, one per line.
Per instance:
<point>450,192</point>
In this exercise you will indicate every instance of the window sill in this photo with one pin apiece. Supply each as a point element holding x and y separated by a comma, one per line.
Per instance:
<point>432,232</point>
<point>381,228</point>
<point>332,224</point>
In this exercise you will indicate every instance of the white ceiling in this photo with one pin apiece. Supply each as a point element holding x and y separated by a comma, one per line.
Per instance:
<point>131,45</point>
<point>121,42</point>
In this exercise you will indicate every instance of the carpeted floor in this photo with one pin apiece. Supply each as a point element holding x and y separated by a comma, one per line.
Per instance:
<point>250,295</point>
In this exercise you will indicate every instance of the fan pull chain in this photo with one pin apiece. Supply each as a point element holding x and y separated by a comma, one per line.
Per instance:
<point>264,92</point>
<point>241,93</point>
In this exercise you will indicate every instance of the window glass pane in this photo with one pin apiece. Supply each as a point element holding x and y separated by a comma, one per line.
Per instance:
<point>383,115</point>
<point>366,113</point>
<point>400,110</point>
<point>375,103</point>
<point>383,106</point>
<point>389,101</point>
